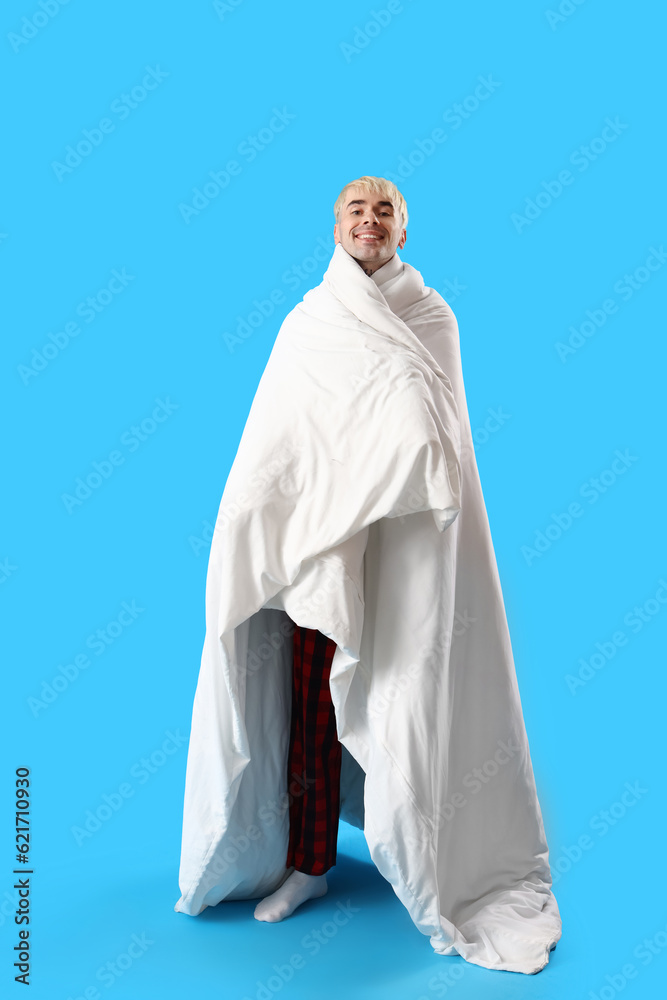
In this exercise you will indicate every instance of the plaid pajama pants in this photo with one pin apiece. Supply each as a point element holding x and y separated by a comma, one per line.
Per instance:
<point>314,759</point>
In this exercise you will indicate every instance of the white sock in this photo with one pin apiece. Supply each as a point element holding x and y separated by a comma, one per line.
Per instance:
<point>296,889</point>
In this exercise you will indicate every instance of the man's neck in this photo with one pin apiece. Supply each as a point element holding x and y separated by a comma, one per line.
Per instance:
<point>370,268</point>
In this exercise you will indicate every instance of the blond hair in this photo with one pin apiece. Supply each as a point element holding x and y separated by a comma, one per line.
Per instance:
<point>378,185</point>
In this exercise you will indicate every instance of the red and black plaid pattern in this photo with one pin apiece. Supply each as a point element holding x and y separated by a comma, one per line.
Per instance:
<point>314,760</point>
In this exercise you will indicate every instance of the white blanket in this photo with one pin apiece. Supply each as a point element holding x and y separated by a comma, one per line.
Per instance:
<point>354,506</point>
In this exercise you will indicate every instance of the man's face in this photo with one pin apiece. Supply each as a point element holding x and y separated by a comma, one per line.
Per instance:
<point>370,229</point>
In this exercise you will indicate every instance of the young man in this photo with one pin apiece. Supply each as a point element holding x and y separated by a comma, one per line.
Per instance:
<point>356,630</point>
<point>370,227</point>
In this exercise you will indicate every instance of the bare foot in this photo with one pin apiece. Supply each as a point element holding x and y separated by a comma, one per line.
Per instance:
<point>295,890</point>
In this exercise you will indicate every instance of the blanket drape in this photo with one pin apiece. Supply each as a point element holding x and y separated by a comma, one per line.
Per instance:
<point>354,506</point>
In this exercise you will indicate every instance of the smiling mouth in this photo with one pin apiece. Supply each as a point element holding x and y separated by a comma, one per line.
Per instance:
<point>369,237</point>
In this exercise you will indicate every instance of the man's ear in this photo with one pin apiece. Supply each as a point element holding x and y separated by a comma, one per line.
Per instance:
<point>404,236</point>
<point>336,240</point>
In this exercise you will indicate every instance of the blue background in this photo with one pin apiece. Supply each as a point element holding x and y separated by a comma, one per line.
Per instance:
<point>359,105</point>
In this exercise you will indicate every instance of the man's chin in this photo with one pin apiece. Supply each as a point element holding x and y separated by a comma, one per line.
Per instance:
<point>368,253</point>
